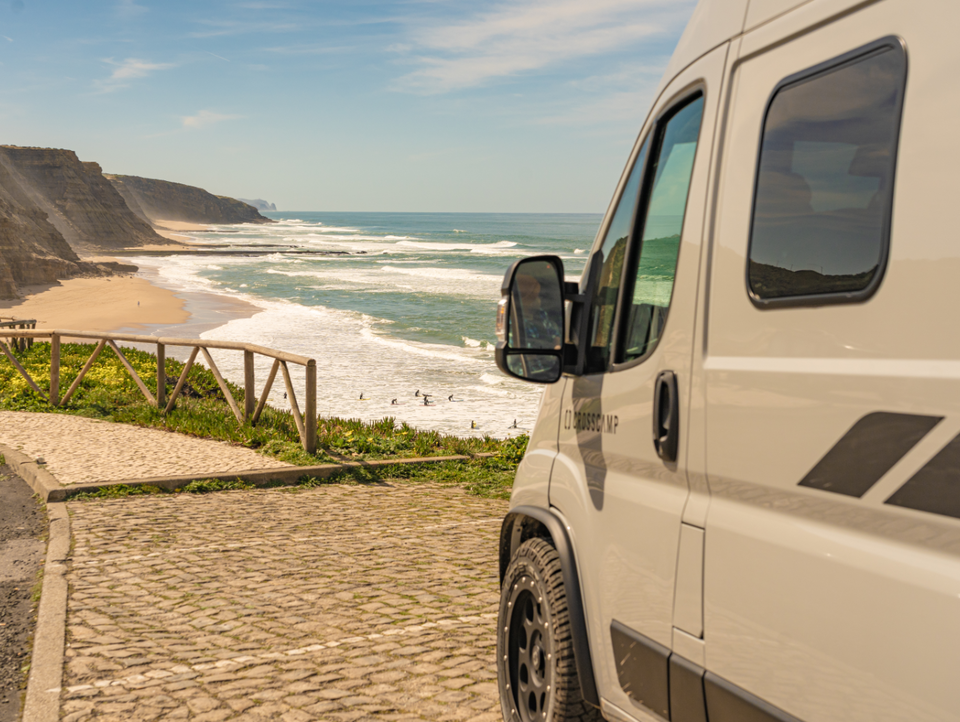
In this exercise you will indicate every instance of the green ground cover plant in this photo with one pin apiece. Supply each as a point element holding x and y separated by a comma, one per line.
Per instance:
<point>107,392</point>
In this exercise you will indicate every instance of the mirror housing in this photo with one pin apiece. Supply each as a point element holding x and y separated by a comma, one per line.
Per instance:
<point>530,320</point>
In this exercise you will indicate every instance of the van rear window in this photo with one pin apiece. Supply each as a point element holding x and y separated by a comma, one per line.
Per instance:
<point>821,216</point>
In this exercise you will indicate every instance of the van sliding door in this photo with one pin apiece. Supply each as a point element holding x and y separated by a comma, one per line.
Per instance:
<point>832,545</point>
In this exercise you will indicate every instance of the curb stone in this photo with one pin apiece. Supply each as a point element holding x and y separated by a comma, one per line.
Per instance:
<point>46,486</point>
<point>46,665</point>
<point>43,483</point>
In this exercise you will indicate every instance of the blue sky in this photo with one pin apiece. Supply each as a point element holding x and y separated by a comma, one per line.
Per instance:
<point>411,105</point>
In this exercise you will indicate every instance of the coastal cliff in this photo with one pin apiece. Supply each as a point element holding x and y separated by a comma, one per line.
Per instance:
<point>158,200</point>
<point>55,209</point>
<point>32,248</point>
<point>78,201</point>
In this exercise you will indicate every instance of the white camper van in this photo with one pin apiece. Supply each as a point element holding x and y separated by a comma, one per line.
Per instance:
<point>741,500</point>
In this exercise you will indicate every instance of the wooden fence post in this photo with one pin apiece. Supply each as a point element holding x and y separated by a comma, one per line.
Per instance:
<point>55,369</point>
<point>161,375</point>
<point>310,412</point>
<point>249,392</point>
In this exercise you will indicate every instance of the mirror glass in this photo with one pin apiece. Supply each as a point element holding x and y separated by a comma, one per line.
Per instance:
<point>535,367</point>
<point>536,308</point>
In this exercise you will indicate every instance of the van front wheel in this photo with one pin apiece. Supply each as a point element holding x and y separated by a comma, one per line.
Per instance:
<point>535,661</point>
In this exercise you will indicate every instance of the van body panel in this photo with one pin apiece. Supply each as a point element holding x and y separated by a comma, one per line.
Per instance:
<point>760,11</point>
<point>541,451</point>
<point>624,503</point>
<point>712,24</point>
<point>834,603</point>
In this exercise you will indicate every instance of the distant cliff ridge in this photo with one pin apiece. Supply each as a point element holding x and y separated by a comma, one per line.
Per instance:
<point>259,204</point>
<point>158,200</point>
<point>80,203</point>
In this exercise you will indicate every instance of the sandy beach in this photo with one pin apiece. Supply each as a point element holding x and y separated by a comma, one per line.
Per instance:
<point>98,304</point>
<point>123,303</point>
<point>174,230</point>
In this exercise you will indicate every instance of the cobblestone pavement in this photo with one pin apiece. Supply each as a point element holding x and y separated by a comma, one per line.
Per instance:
<point>342,602</point>
<point>79,450</point>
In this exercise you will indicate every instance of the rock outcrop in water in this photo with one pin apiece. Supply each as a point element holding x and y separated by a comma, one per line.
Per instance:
<point>259,204</point>
<point>158,200</point>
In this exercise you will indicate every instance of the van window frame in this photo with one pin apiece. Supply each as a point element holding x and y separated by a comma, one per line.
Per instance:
<point>635,244</point>
<point>891,42</point>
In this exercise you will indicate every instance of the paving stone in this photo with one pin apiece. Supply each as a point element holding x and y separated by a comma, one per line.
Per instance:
<point>266,605</point>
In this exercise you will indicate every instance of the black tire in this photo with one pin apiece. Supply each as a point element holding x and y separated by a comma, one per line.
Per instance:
<point>536,668</point>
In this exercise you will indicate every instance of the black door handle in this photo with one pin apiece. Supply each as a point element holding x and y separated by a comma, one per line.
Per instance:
<point>666,416</point>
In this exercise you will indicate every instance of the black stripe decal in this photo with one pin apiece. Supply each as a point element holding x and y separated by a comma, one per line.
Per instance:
<point>936,487</point>
<point>687,700</point>
<point>641,668</point>
<point>868,451</point>
<point>728,703</point>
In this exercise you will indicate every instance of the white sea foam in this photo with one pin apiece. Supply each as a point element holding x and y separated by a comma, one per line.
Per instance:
<point>355,354</point>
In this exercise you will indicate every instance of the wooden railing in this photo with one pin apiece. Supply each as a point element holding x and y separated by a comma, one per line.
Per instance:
<point>252,408</point>
<point>21,344</point>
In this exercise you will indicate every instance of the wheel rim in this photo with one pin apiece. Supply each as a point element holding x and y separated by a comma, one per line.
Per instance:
<point>530,653</point>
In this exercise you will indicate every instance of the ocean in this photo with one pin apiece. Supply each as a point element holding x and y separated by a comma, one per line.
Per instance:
<point>388,304</point>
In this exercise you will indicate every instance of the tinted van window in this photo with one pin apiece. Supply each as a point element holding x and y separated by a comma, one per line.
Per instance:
<point>611,256</point>
<point>821,217</point>
<point>656,266</point>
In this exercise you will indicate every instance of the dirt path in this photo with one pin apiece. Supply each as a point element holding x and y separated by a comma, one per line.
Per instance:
<point>21,554</point>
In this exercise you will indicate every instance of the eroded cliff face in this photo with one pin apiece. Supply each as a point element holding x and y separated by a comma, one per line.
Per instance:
<point>32,250</point>
<point>158,200</point>
<point>79,202</point>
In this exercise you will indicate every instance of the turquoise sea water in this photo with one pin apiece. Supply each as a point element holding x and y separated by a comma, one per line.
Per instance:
<point>388,304</point>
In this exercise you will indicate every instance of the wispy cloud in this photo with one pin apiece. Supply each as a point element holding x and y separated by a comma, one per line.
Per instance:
<point>304,49</point>
<point>264,5</point>
<point>221,28</point>
<point>125,71</point>
<point>129,9</point>
<point>206,118</point>
<point>9,40</point>
<point>528,36</point>
<point>216,56</point>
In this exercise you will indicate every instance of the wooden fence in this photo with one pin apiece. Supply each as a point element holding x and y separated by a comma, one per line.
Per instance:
<point>21,344</point>
<point>306,422</point>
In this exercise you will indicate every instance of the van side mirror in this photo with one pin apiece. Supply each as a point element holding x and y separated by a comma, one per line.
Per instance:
<point>530,320</point>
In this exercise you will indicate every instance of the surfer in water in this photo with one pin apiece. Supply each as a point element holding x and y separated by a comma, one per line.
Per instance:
<point>514,425</point>
<point>417,393</point>
<point>361,397</point>
<point>427,401</point>
<point>473,424</point>
<point>394,403</point>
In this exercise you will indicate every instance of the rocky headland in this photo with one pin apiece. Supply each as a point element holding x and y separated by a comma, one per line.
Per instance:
<point>159,200</point>
<point>56,211</point>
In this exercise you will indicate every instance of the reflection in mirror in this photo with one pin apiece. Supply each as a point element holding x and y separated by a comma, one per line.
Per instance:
<point>535,367</point>
<point>536,307</point>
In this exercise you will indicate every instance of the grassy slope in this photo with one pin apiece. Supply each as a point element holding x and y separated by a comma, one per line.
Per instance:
<point>107,392</point>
